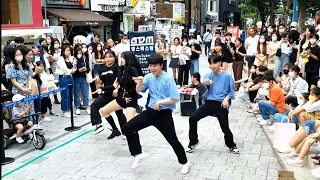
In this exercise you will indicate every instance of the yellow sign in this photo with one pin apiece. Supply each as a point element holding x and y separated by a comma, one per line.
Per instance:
<point>134,3</point>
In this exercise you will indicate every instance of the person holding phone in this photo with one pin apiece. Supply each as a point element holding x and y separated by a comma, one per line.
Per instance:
<point>216,102</point>
<point>80,82</point>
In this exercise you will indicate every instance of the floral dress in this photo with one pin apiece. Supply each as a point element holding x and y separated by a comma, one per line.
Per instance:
<point>21,76</point>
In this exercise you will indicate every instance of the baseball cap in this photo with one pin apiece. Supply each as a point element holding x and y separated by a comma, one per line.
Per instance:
<point>293,24</point>
<point>17,97</point>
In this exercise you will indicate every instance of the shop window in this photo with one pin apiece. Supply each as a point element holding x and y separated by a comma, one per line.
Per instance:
<point>16,11</point>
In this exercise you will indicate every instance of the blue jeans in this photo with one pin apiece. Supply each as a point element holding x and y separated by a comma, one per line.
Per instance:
<point>63,82</point>
<point>266,109</point>
<point>250,60</point>
<point>279,64</point>
<point>283,118</point>
<point>80,84</point>
<point>194,66</point>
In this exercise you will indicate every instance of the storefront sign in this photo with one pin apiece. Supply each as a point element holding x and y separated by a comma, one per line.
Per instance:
<point>89,23</point>
<point>234,30</point>
<point>142,44</point>
<point>179,12</point>
<point>164,10</point>
<point>79,39</point>
<point>109,2</point>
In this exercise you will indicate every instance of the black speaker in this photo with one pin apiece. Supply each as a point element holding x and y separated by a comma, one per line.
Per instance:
<point>187,108</point>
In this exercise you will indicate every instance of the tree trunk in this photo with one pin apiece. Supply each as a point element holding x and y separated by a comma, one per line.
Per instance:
<point>286,7</point>
<point>272,4</point>
<point>302,12</point>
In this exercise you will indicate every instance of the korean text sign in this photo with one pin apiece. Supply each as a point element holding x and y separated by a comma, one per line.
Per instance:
<point>142,45</point>
<point>234,30</point>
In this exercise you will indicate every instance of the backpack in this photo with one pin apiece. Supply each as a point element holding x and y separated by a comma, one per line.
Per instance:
<point>165,45</point>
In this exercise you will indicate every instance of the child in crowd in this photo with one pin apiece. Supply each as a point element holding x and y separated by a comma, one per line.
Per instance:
<point>44,88</point>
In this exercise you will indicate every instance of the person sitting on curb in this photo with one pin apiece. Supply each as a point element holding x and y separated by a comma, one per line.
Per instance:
<point>309,111</point>
<point>273,105</point>
<point>297,84</point>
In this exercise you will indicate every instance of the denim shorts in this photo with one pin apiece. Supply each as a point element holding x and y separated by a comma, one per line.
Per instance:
<point>309,127</point>
<point>97,68</point>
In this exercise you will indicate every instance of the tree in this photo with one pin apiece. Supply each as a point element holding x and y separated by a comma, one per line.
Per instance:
<point>287,5</point>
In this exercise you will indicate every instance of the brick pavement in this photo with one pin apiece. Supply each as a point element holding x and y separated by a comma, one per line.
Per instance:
<point>93,157</point>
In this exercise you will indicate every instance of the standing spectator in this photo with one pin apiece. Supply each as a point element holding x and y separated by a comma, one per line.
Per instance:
<point>262,52</point>
<point>196,51</point>
<point>230,51</point>
<point>302,51</point>
<point>237,66</point>
<point>251,46</point>
<point>89,36</point>
<point>174,63</point>
<point>273,46</point>
<point>98,62</point>
<point>313,65</point>
<point>286,50</point>
<point>123,46</point>
<point>162,48</point>
<point>184,63</point>
<point>207,38</point>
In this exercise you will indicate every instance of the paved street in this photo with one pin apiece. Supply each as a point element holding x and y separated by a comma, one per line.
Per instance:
<point>82,155</point>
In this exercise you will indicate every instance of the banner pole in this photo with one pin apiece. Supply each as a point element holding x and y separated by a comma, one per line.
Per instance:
<point>72,127</point>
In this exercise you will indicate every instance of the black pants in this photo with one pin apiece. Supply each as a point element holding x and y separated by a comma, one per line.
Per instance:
<point>207,47</point>
<point>44,104</point>
<point>183,75</point>
<point>93,88</point>
<point>49,104</point>
<point>163,121</point>
<point>310,78</point>
<point>164,66</point>
<point>250,60</point>
<point>211,108</point>
<point>95,115</point>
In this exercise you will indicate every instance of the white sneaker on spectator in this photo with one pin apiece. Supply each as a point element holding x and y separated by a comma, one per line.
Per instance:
<point>315,172</point>
<point>259,119</point>
<point>291,155</point>
<point>67,114</point>
<point>88,111</point>
<point>137,159</point>
<point>46,119</point>
<point>271,128</point>
<point>19,140</point>
<point>78,111</point>
<point>185,168</point>
<point>295,162</point>
<point>264,122</point>
<point>285,149</point>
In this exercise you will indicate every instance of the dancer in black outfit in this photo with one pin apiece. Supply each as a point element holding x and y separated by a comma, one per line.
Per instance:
<point>107,77</point>
<point>124,87</point>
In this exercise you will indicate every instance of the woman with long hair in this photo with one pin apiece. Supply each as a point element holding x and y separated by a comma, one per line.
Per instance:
<point>184,63</point>
<point>174,63</point>
<point>55,52</point>
<point>67,65</point>
<point>93,87</point>
<point>125,87</point>
<point>273,47</point>
<point>98,62</point>
<point>80,82</point>
<point>262,52</point>
<point>107,77</point>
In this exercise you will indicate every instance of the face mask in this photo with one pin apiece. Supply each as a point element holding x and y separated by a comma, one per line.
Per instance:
<point>265,85</point>
<point>124,41</point>
<point>19,58</point>
<point>285,71</point>
<point>312,98</point>
<point>84,50</point>
<point>313,41</point>
<point>300,101</point>
<point>252,70</point>
<point>293,29</point>
<point>79,56</point>
<point>30,58</point>
<point>291,74</point>
<point>191,41</point>
<point>56,46</point>
<point>184,43</point>
<point>274,38</point>
<point>281,31</point>
<point>98,48</point>
<point>270,30</point>
<point>261,40</point>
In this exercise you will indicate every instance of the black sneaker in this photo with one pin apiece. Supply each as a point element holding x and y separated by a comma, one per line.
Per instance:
<point>98,129</point>
<point>234,150</point>
<point>82,108</point>
<point>114,134</point>
<point>53,113</point>
<point>192,147</point>
<point>57,102</point>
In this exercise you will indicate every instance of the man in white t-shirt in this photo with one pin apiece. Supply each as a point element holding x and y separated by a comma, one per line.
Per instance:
<point>123,46</point>
<point>251,46</point>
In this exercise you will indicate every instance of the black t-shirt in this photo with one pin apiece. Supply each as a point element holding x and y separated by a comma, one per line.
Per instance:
<point>313,65</point>
<point>195,55</point>
<point>127,85</point>
<point>226,52</point>
<point>238,57</point>
<point>108,76</point>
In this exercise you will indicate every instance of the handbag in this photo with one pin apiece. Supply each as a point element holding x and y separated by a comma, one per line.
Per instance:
<point>89,78</point>
<point>278,53</point>
<point>34,86</point>
<point>283,133</point>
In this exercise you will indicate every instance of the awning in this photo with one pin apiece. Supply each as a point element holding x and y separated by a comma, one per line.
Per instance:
<point>80,17</point>
<point>35,33</point>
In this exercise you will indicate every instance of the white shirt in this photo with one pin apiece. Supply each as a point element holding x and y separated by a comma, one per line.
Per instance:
<point>207,37</point>
<point>175,49</point>
<point>252,43</point>
<point>184,56</point>
<point>88,38</point>
<point>63,66</point>
<point>312,106</point>
<point>46,61</point>
<point>285,49</point>
<point>120,48</point>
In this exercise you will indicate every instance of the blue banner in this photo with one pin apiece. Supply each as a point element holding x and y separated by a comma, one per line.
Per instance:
<point>142,45</point>
<point>34,97</point>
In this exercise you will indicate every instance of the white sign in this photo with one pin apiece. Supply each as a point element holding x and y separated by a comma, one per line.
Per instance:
<point>109,2</point>
<point>144,28</point>
<point>142,41</point>
<point>79,39</point>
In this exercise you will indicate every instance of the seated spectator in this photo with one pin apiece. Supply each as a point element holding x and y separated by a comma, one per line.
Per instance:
<point>18,117</point>
<point>298,84</point>
<point>284,82</point>
<point>273,104</point>
<point>253,87</point>
<point>309,111</point>
<point>202,88</point>
<point>252,75</point>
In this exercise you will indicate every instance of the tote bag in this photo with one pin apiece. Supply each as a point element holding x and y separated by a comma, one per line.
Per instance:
<point>34,86</point>
<point>283,134</point>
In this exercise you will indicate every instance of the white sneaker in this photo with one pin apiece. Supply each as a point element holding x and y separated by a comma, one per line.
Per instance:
<point>46,119</point>
<point>295,162</point>
<point>78,111</point>
<point>88,111</point>
<point>315,172</point>
<point>185,168</point>
<point>291,155</point>
<point>259,119</point>
<point>19,140</point>
<point>264,122</point>
<point>67,114</point>
<point>137,159</point>
<point>271,128</point>
<point>286,149</point>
